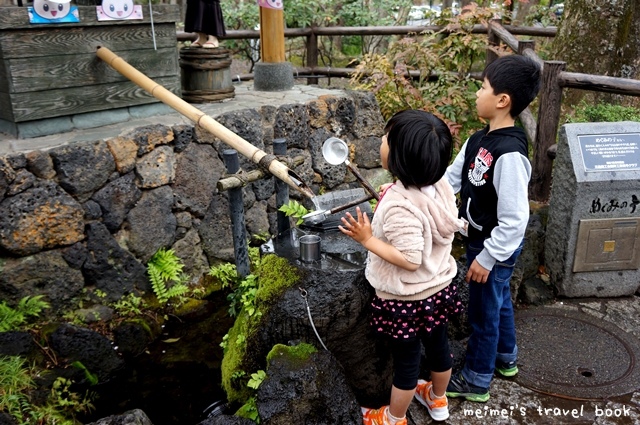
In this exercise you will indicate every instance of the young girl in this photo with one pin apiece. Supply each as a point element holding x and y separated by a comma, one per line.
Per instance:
<point>410,264</point>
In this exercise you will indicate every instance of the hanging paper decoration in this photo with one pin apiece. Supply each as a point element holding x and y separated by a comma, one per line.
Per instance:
<point>52,12</point>
<point>115,10</point>
<point>270,4</point>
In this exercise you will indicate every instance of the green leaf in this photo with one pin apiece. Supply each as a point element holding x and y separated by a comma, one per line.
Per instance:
<point>256,379</point>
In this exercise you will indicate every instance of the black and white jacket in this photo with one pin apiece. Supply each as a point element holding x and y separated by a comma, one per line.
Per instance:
<point>492,173</point>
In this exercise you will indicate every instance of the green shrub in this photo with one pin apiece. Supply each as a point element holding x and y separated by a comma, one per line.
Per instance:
<point>604,113</point>
<point>16,385</point>
<point>444,61</point>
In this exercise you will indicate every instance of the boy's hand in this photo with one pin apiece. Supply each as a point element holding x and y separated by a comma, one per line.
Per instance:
<point>384,187</point>
<point>477,273</point>
<point>360,229</point>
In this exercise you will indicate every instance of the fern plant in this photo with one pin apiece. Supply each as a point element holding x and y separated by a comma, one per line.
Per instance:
<point>226,273</point>
<point>165,272</point>
<point>129,305</point>
<point>16,385</point>
<point>13,318</point>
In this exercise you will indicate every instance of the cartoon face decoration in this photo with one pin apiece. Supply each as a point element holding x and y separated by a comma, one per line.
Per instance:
<point>49,9</point>
<point>117,9</point>
<point>270,4</point>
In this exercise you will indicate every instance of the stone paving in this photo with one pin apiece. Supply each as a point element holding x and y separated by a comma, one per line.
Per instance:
<point>512,403</point>
<point>245,97</point>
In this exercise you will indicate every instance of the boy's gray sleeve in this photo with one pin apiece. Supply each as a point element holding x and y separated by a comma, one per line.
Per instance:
<point>511,180</point>
<point>454,171</point>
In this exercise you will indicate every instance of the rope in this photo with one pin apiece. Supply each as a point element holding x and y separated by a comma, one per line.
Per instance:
<point>240,175</point>
<point>303,292</point>
<point>266,161</point>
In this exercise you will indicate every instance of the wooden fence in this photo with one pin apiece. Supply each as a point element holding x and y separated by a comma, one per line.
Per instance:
<point>542,132</point>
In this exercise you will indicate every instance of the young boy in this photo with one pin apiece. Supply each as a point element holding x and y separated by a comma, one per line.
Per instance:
<point>492,173</point>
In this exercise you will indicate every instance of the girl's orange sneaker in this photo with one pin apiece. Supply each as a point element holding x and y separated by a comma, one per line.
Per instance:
<point>378,417</point>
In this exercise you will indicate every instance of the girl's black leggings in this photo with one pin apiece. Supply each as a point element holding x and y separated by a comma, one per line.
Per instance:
<point>406,357</point>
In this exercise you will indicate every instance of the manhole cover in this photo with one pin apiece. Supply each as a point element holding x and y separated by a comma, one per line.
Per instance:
<point>574,355</point>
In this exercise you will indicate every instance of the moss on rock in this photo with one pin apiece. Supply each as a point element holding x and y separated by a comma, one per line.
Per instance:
<point>297,353</point>
<point>276,275</point>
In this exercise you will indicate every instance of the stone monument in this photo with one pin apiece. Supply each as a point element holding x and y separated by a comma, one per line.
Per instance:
<point>593,234</point>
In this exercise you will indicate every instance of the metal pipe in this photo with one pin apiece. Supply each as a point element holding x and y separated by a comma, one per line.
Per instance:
<point>282,190</point>
<point>236,209</point>
<point>267,162</point>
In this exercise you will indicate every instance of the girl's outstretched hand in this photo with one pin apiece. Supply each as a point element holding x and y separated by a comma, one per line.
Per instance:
<point>360,229</point>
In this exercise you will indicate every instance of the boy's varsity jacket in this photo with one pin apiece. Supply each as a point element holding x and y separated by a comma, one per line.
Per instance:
<point>421,226</point>
<point>492,173</point>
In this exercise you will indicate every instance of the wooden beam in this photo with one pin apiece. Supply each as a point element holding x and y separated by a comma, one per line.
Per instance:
<point>494,42</point>
<point>528,121</point>
<point>599,83</point>
<point>234,181</point>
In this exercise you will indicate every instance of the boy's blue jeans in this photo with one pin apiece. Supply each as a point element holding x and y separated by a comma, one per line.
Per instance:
<point>490,312</point>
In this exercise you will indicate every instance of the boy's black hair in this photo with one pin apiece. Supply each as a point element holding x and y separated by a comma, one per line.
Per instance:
<point>515,75</point>
<point>420,147</point>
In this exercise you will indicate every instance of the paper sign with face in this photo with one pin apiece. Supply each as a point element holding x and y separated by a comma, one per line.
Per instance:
<point>118,9</point>
<point>52,11</point>
<point>270,4</point>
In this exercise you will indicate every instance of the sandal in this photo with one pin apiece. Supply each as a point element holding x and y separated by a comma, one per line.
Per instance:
<point>210,45</point>
<point>195,44</point>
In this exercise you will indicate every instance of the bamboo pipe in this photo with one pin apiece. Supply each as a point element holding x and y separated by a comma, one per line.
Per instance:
<point>264,160</point>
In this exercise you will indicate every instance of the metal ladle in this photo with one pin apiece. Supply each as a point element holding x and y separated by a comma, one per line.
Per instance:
<point>319,216</point>
<point>335,151</point>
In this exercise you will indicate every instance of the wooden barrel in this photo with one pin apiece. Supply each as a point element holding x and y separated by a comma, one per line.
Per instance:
<point>205,74</point>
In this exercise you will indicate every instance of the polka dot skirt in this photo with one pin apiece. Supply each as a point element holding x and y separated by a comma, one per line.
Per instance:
<point>405,319</point>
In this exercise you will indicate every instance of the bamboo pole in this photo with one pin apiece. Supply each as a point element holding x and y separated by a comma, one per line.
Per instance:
<point>266,161</point>
<point>234,181</point>
<point>272,35</point>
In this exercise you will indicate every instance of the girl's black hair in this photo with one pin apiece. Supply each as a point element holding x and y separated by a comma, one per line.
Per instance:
<point>420,147</point>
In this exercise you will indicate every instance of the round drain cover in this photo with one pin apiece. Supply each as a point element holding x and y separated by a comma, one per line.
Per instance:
<point>574,355</point>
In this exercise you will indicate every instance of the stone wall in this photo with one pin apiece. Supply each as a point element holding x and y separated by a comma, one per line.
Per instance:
<point>89,215</point>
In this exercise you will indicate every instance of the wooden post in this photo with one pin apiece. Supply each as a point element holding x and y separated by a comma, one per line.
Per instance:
<point>272,35</point>
<point>312,53</point>
<point>546,130</point>
<point>494,41</point>
<point>524,45</point>
<point>273,72</point>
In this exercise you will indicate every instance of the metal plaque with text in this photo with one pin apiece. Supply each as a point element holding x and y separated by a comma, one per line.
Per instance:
<point>610,152</point>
